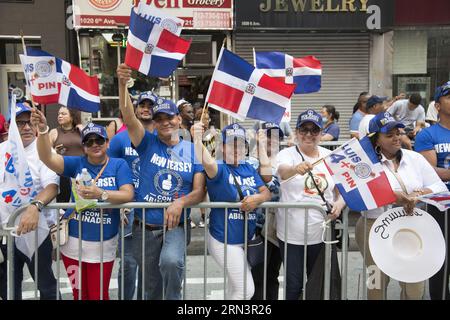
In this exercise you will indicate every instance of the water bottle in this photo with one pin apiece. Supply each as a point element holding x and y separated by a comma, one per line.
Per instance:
<point>85,179</point>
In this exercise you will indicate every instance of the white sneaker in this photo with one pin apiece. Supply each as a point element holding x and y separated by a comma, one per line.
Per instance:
<point>201,224</point>
<point>193,225</point>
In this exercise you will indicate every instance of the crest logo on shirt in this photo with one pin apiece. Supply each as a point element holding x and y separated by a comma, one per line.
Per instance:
<point>321,181</point>
<point>168,182</point>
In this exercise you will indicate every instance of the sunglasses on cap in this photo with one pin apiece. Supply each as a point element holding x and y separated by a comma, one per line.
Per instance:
<point>90,142</point>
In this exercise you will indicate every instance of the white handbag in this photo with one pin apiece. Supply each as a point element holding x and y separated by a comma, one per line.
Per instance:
<point>63,232</point>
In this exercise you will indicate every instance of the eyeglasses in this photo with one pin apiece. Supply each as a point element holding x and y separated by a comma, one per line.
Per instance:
<point>21,123</point>
<point>90,142</point>
<point>313,131</point>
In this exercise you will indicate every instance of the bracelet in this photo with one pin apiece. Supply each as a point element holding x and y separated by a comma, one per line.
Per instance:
<point>44,132</point>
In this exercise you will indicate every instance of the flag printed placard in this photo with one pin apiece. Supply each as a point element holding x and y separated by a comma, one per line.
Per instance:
<point>47,74</point>
<point>306,72</point>
<point>241,90</point>
<point>153,50</point>
<point>42,79</point>
<point>157,16</point>
<point>440,200</point>
<point>359,175</point>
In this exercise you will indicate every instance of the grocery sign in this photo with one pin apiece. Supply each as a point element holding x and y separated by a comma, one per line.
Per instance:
<point>196,14</point>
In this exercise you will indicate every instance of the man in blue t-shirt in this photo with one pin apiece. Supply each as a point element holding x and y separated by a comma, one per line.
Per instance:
<point>434,144</point>
<point>358,115</point>
<point>168,173</point>
<point>120,147</point>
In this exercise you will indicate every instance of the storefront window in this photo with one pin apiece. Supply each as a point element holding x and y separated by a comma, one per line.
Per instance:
<point>421,61</point>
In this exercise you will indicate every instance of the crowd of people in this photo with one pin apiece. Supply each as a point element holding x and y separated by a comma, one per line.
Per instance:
<point>162,152</point>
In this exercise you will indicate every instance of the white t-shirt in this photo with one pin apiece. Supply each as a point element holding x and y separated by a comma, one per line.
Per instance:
<point>432,113</point>
<point>415,172</point>
<point>401,112</point>
<point>364,125</point>
<point>42,175</point>
<point>91,250</point>
<point>301,189</point>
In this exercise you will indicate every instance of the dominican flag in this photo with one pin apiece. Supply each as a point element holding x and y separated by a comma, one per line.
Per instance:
<point>359,175</point>
<point>17,188</point>
<point>306,72</point>
<point>240,90</point>
<point>153,50</point>
<point>440,200</point>
<point>53,80</point>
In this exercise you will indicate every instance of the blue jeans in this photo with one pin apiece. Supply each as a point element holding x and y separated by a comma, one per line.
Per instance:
<point>129,264</point>
<point>164,262</point>
<point>294,267</point>
<point>46,278</point>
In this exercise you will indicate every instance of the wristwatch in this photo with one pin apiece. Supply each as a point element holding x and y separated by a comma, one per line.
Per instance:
<point>105,195</point>
<point>39,204</point>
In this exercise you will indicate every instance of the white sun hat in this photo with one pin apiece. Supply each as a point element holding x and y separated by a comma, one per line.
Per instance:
<point>408,248</point>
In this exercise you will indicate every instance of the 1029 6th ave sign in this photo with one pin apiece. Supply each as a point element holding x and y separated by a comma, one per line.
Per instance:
<point>196,14</point>
<point>313,14</point>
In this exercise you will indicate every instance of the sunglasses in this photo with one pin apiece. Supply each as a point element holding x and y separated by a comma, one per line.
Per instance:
<point>313,131</point>
<point>21,124</point>
<point>90,142</point>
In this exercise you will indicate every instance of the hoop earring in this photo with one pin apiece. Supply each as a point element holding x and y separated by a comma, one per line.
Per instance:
<point>378,150</point>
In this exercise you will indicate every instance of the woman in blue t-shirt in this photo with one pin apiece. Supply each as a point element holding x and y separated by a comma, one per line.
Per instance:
<point>221,184</point>
<point>330,117</point>
<point>112,182</point>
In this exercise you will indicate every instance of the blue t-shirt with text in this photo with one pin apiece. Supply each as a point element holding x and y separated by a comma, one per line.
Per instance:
<point>222,188</point>
<point>435,138</point>
<point>120,147</point>
<point>116,174</point>
<point>166,173</point>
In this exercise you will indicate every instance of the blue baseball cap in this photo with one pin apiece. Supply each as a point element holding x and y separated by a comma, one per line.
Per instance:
<point>93,128</point>
<point>165,106</point>
<point>271,126</point>
<point>309,116</point>
<point>383,122</point>
<point>21,108</point>
<point>442,91</point>
<point>233,131</point>
<point>147,95</point>
<point>373,100</point>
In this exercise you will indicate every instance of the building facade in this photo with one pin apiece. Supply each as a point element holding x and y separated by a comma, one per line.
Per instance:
<point>43,25</point>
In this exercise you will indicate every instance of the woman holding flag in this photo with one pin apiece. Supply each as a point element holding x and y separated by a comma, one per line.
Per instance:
<point>410,175</point>
<point>302,181</point>
<point>111,182</point>
<point>231,180</point>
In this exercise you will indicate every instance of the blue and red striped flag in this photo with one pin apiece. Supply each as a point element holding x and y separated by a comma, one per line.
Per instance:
<point>153,50</point>
<point>359,175</point>
<point>53,80</point>
<point>306,72</point>
<point>240,90</point>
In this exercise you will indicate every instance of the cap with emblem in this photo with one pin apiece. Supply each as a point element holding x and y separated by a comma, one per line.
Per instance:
<point>232,132</point>
<point>165,106</point>
<point>93,128</point>
<point>383,122</point>
<point>309,116</point>
<point>147,95</point>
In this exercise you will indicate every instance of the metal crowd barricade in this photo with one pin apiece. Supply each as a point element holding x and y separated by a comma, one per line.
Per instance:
<point>307,206</point>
